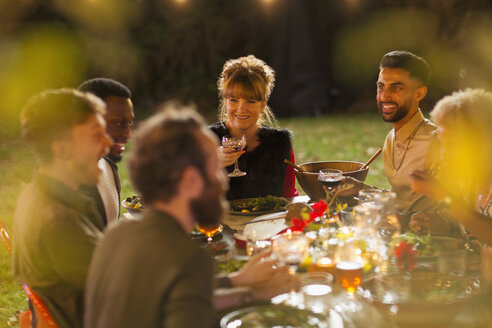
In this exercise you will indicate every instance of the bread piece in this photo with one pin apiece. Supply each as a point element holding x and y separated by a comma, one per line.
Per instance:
<point>295,210</point>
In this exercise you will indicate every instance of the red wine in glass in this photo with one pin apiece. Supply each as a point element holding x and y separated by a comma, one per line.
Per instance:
<point>330,178</point>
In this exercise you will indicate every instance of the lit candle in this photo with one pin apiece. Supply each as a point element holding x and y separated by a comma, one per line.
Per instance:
<point>324,264</point>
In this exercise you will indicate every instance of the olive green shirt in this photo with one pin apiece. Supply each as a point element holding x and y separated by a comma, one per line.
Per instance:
<point>54,236</point>
<point>148,272</point>
<point>413,147</point>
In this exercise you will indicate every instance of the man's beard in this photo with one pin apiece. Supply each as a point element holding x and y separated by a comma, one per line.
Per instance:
<point>401,111</point>
<point>209,209</point>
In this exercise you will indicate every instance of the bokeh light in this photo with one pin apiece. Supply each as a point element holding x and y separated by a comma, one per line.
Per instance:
<point>41,58</point>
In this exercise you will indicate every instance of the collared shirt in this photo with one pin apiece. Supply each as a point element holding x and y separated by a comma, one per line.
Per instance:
<point>54,237</point>
<point>108,187</point>
<point>106,194</point>
<point>413,147</point>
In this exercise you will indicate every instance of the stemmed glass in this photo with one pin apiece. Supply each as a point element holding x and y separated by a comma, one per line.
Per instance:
<point>330,178</point>
<point>210,231</point>
<point>238,144</point>
<point>290,249</point>
<point>368,195</point>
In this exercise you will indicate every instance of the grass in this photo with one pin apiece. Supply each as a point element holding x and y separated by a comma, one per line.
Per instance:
<point>334,137</point>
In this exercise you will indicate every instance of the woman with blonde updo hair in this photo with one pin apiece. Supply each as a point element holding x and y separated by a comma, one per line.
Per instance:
<point>245,85</point>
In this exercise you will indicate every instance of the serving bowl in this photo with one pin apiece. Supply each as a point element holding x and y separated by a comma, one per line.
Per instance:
<point>309,178</point>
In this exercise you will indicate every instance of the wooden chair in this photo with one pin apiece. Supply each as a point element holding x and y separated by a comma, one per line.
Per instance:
<point>43,317</point>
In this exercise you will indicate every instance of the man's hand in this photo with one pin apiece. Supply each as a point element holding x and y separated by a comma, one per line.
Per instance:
<point>426,184</point>
<point>280,282</point>
<point>420,223</point>
<point>258,269</point>
<point>357,186</point>
<point>264,277</point>
<point>229,155</point>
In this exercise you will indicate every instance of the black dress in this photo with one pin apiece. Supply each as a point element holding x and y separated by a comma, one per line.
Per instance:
<point>264,165</point>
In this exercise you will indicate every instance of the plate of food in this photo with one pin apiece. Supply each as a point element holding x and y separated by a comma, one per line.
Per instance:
<point>257,206</point>
<point>273,316</point>
<point>133,204</point>
<point>428,246</point>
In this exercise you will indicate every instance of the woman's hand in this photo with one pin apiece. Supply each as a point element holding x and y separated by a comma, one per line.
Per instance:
<point>229,155</point>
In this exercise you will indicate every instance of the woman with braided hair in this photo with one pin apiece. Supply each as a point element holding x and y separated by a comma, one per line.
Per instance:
<point>244,88</point>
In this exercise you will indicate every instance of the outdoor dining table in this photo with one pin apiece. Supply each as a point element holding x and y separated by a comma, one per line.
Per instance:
<point>369,313</point>
<point>372,313</point>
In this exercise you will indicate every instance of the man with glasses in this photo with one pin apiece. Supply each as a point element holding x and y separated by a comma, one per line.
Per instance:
<point>119,118</point>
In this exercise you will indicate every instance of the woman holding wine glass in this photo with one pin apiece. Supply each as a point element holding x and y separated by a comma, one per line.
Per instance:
<point>256,168</point>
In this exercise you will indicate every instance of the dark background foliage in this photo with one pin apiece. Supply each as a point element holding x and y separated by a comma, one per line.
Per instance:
<point>325,53</point>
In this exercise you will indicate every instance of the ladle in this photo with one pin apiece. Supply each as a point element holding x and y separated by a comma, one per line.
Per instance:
<point>373,157</point>
<point>298,168</point>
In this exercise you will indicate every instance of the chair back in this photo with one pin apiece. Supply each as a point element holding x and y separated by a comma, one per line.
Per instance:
<point>5,237</point>
<point>43,317</point>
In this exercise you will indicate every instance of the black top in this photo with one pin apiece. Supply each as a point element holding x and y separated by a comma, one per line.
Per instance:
<point>264,165</point>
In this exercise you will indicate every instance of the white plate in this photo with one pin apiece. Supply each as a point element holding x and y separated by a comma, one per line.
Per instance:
<point>266,229</point>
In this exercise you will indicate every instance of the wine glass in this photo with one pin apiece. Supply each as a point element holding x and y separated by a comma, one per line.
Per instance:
<point>349,270</point>
<point>290,249</point>
<point>238,144</point>
<point>330,178</point>
<point>388,225</point>
<point>255,245</point>
<point>210,231</point>
<point>368,195</point>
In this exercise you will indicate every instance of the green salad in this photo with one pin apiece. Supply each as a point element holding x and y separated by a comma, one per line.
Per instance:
<point>277,316</point>
<point>229,266</point>
<point>424,244</point>
<point>260,204</point>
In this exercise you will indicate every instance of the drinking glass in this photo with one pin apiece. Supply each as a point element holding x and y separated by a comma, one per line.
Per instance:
<point>290,249</point>
<point>388,225</point>
<point>238,144</point>
<point>347,216</point>
<point>254,245</point>
<point>316,288</point>
<point>348,270</point>
<point>210,231</point>
<point>368,195</point>
<point>330,178</point>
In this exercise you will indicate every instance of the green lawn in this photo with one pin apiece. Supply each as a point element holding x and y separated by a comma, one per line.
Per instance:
<point>339,137</point>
